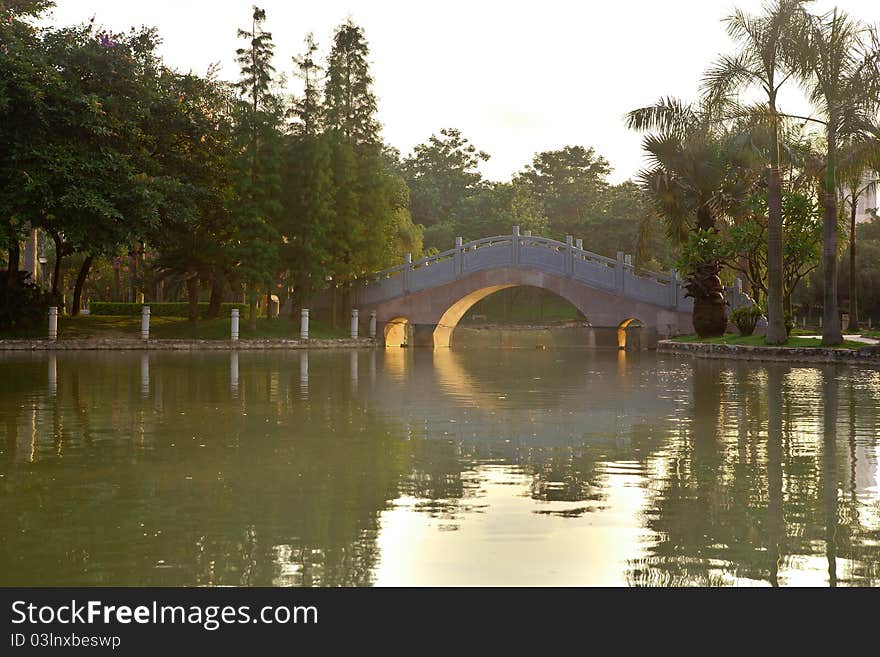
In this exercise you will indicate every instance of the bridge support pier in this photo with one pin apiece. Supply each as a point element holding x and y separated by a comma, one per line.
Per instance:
<point>423,335</point>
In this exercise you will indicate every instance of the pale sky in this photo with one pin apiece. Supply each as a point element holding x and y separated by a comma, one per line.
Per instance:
<point>515,77</point>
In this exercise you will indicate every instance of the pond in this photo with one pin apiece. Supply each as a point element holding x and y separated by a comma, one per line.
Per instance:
<point>435,467</point>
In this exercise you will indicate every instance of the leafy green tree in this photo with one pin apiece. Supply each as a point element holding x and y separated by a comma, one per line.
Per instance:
<point>442,174</point>
<point>368,219</point>
<point>571,184</point>
<point>194,148</point>
<point>309,204</point>
<point>91,169</point>
<point>858,157</point>
<point>26,76</point>
<point>802,240</point>
<point>766,60</point>
<point>629,223</point>
<point>866,275</point>
<point>495,208</point>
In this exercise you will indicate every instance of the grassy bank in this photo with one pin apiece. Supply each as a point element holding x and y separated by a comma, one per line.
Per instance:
<point>115,326</point>
<point>758,341</point>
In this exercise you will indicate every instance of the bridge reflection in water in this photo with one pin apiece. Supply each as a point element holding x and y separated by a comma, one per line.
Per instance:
<point>443,466</point>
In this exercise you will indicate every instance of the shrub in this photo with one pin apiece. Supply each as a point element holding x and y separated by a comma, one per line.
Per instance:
<point>789,323</point>
<point>23,305</point>
<point>161,309</point>
<point>745,318</point>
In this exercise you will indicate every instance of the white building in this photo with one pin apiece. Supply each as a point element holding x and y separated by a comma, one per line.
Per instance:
<point>867,199</point>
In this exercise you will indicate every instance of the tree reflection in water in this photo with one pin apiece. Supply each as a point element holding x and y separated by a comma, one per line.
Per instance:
<point>769,508</point>
<point>277,468</point>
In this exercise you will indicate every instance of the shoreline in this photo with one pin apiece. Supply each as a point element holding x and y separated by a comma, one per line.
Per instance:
<point>134,344</point>
<point>867,356</point>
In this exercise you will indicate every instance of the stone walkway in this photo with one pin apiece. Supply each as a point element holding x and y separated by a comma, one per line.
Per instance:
<point>129,344</point>
<point>867,355</point>
<point>864,339</point>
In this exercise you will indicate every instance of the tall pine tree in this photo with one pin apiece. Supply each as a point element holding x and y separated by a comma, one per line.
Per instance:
<point>369,223</point>
<point>258,122</point>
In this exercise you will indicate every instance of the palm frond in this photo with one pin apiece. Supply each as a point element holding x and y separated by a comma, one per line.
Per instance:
<point>668,115</point>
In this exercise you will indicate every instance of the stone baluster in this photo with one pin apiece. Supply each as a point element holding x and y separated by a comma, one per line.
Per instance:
<point>515,245</point>
<point>304,324</point>
<point>569,255</point>
<point>354,323</point>
<point>145,323</point>
<point>234,324</point>
<point>53,322</point>
<point>674,284</point>
<point>407,270</point>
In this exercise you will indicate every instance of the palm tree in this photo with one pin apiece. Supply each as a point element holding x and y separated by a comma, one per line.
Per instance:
<point>838,68</point>
<point>856,159</point>
<point>765,60</point>
<point>697,175</point>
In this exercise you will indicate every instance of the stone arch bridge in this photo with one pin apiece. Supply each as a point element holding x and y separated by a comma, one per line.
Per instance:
<point>427,298</point>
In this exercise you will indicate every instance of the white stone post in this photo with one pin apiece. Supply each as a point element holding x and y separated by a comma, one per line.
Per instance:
<point>628,260</point>
<point>820,321</point>
<point>145,323</point>
<point>407,268</point>
<point>515,246</point>
<point>459,257</point>
<point>233,324</point>
<point>569,255</point>
<point>674,283</point>
<point>304,324</point>
<point>579,244</point>
<point>53,322</point>
<point>527,233</point>
<point>373,325</point>
<point>354,323</point>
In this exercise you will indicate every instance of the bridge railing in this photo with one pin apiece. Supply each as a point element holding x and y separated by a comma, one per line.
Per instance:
<point>567,259</point>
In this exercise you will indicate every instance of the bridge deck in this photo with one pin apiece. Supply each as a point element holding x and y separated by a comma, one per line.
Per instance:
<point>564,259</point>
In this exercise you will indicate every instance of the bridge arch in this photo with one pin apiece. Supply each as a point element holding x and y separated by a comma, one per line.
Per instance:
<point>621,330</point>
<point>450,319</point>
<point>396,332</point>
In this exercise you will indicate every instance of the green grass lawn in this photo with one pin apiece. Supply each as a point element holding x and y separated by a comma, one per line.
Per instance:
<point>758,341</point>
<point>111,326</point>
